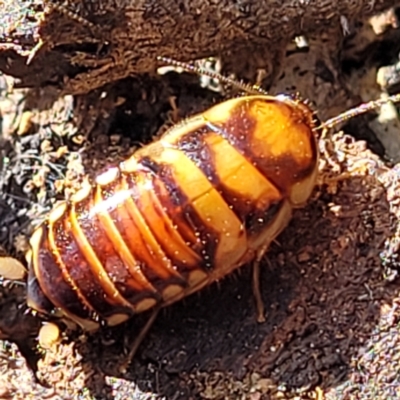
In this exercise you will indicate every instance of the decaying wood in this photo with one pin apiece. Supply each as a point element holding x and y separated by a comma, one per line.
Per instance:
<point>82,45</point>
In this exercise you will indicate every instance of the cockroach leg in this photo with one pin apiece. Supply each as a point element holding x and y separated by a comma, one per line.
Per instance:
<point>34,51</point>
<point>139,339</point>
<point>256,284</point>
<point>261,74</point>
<point>175,110</point>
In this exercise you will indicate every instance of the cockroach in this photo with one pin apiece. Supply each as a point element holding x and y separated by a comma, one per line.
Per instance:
<point>185,211</point>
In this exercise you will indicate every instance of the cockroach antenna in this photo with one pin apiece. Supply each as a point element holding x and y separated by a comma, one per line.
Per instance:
<point>251,89</point>
<point>255,89</point>
<point>358,110</point>
<point>62,9</point>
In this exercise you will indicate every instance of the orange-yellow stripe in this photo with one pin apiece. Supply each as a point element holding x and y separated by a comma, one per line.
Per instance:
<point>164,229</point>
<point>239,175</point>
<point>120,246</point>
<point>94,263</point>
<point>209,205</point>
<point>159,263</point>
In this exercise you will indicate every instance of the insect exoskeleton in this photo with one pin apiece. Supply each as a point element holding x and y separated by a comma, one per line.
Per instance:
<point>206,198</point>
<point>181,213</point>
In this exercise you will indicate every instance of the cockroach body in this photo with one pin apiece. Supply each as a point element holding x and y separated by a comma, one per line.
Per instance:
<point>181,213</point>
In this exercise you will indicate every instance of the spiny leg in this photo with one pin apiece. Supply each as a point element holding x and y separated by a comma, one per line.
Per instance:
<point>256,284</point>
<point>139,339</point>
<point>174,115</point>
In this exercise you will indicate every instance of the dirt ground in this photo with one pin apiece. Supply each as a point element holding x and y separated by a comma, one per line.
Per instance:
<point>330,282</point>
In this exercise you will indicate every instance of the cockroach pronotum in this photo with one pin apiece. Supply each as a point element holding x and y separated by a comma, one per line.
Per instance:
<point>182,212</point>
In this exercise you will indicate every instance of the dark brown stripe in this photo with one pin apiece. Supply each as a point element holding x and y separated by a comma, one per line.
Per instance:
<point>182,213</point>
<point>257,221</point>
<point>59,291</point>
<point>36,296</point>
<point>282,171</point>
<point>200,152</point>
<point>155,220</point>
<point>108,257</point>
<point>149,264</point>
<point>79,269</point>
<point>160,214</point>
<point>173,207</point>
